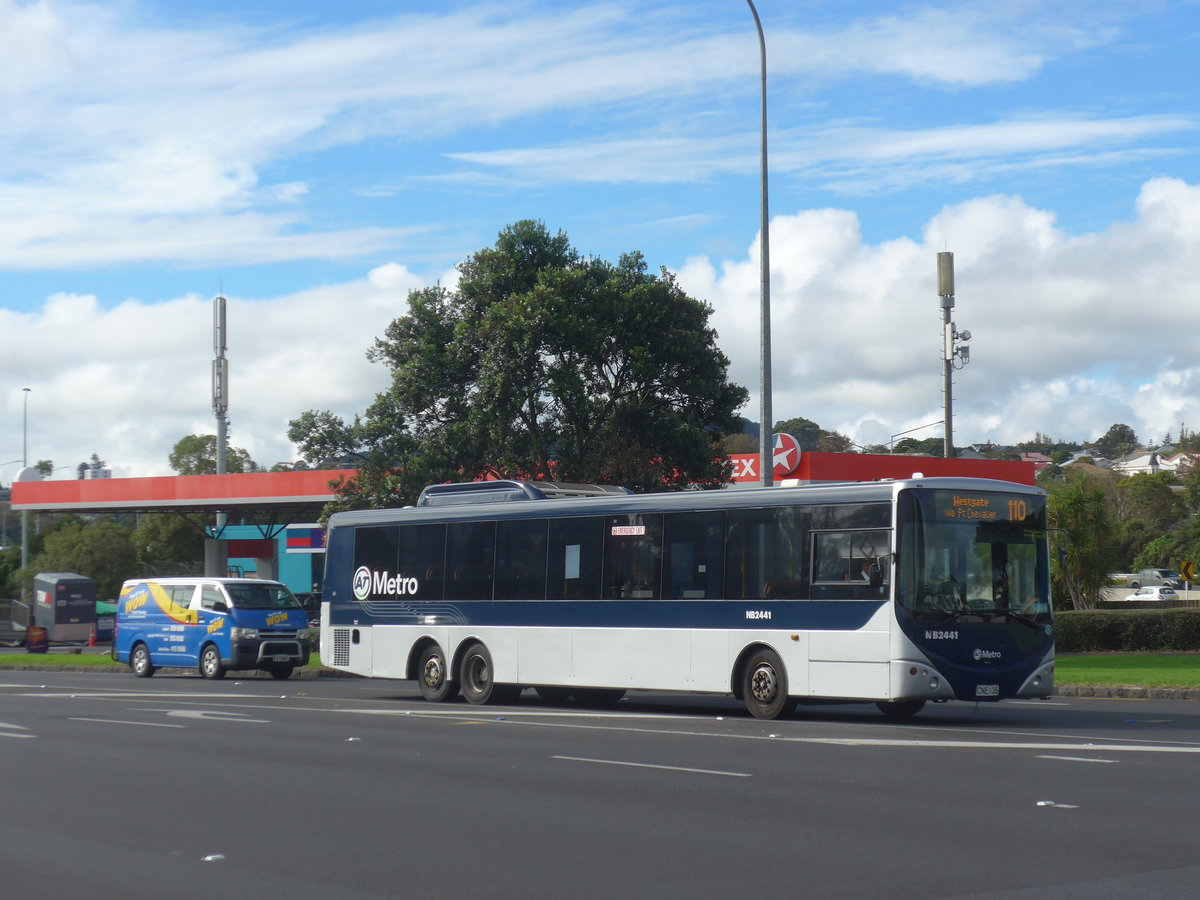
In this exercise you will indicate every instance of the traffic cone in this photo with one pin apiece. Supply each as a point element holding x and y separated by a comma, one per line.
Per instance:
<point>92,637</point>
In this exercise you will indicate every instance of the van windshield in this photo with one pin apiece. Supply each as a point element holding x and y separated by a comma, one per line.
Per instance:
<point>261,596</point>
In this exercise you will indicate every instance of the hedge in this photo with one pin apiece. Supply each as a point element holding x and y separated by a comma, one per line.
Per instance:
<point>1114,630</point>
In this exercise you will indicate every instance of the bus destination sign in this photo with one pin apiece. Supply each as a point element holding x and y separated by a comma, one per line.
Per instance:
<point>981,507</point>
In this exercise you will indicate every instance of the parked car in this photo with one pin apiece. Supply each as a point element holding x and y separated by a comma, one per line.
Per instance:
<point>1157,592</point>
<point>1151,577</point>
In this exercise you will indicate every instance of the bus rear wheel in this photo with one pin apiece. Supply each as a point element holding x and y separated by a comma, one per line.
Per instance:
<point>765,686</point>
<point>899,710</point>
<point>433,676</point>
<point>476,678</point>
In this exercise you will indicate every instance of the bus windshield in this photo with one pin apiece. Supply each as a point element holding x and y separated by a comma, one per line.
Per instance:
<point>262,596</point>
<point>973,556</point>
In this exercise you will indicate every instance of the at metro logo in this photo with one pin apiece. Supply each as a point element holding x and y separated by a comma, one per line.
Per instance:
<point>367,582</point>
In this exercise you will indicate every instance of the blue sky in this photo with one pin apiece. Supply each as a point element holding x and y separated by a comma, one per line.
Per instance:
<point>317,161</point>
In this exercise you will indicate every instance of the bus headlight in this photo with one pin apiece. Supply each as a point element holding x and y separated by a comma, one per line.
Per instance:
<point>243,634</point>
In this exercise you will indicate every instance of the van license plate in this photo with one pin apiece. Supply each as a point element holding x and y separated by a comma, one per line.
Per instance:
<point>987,690</point>
<point>280,658</point>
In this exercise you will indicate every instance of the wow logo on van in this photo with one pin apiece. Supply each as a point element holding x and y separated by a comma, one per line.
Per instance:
<point>368,582</point>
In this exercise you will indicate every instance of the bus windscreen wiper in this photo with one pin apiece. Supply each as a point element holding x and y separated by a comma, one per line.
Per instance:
<point>956,614</point>
<point>1009,614</point>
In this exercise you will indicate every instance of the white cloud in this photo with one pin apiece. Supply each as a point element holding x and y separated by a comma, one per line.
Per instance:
<point>128,382</point>
<point>1070,333</point>
<point>116,124</point>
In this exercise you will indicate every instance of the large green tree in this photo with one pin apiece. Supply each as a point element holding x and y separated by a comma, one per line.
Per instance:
<point>168,544</point>
<point>542,363</point>
<point>1117,441</point>
<point>196,454</point>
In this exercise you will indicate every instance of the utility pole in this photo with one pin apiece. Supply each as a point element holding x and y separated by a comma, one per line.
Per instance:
<point>220,381</point>
<point>951,352</point>
<point>215,560</point>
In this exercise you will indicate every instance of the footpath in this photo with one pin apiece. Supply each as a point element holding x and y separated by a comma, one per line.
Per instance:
<point>18,659</point>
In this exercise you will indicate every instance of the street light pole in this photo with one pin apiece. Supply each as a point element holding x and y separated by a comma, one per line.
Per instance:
<point>766,446</point>
<point>25,431</point>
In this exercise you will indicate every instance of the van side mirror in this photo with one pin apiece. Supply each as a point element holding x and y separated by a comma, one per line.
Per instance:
<point>220,606</point>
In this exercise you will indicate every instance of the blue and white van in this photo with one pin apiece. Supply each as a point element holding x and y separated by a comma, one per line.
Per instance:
<point>215,625</point>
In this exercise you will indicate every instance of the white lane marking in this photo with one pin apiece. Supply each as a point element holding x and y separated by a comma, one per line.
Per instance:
<point>884,742</point>
<point>1075,758</point>
<point>498,712</point>
<point>18,728</point>
<point>124,722</point>
<point>997,745</point>
<point>615,762</point>
<point>213,714</point>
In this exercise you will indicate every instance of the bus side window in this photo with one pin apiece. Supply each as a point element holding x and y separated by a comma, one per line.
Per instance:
<point>632,557</point>
<point>573,559</point>
<point>693,555</point>
<point>846,563</point>
<point>764,557</point>
<point>521,560</point>
<point>422,556</point>
<point>470,558</point>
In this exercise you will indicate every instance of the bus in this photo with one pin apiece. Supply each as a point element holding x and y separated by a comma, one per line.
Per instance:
<point>891,592</point>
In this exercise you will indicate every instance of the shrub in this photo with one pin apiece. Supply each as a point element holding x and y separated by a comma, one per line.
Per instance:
<point>1117,630</point>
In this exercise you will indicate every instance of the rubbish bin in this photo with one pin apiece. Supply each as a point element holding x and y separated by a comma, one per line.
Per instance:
<point>37,639</point>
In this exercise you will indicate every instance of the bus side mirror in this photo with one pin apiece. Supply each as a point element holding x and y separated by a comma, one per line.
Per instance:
<point>876,575</point>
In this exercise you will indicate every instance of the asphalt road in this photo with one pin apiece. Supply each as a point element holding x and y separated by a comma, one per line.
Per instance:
<point>175,787</point>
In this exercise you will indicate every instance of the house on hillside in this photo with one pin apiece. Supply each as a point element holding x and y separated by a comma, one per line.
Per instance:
<point>1039,460</point>
<point>1156,460</point>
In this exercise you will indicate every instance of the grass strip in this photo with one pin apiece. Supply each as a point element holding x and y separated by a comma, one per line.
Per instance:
<point>1144,669</point>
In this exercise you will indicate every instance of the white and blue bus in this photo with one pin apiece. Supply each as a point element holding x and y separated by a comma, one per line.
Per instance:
<point>892,592</point>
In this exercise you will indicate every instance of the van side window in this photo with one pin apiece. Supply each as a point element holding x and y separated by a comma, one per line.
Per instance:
<point>181,594</point>
<point>210,596</point>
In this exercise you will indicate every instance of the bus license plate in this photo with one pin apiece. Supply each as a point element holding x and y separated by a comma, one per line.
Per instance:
<point>280,657</point>
<point>987,690</point>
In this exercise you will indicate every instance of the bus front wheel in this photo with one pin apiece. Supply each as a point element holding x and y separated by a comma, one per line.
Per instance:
<point>764,685</point>
<point>898,710</point>
<point>433,676</point>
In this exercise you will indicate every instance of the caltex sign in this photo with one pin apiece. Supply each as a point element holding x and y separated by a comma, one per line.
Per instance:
<point>786,455</point>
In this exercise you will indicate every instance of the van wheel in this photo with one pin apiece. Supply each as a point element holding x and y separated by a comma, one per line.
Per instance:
<point>211,666</point>
<point>279,673</point>
<point>764,685</point>
<point>139,661</point>
<point>433,676</point>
